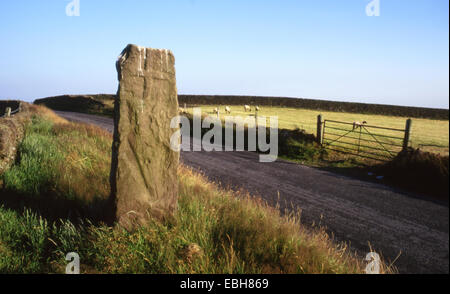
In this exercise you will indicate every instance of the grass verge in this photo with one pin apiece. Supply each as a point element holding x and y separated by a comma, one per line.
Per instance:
<point>51,204</point>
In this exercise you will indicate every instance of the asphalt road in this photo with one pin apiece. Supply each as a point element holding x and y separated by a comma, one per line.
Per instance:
<point>352,210</point>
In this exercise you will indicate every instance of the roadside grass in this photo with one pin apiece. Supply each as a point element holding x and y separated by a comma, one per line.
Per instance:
<point>427,134</point>
<point>51,203</point>
<point>59,170</point>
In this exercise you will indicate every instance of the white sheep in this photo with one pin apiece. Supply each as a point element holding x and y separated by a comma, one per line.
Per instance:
<point>227,109</point>
<point>357,124</point>
<point>247,107</point>
<point>257,108</point>
<point>216,110</point>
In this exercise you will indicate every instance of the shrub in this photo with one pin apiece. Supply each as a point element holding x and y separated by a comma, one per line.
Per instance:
<point>422,171</point>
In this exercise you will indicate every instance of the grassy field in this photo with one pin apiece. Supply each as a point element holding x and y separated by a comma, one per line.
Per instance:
<point>51,203</point>
<point>428,135</point>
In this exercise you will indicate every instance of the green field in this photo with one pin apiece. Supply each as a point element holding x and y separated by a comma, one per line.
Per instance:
<point>427,134</point>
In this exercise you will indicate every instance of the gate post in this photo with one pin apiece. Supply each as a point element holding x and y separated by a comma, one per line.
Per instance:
<point>319,129</point>
<point>407,134</point>
<point>8,112</point>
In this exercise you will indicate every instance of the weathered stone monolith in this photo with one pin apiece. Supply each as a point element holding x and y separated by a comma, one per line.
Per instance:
<point>144,168</point>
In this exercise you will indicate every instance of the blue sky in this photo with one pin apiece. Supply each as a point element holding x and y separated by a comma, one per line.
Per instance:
<point>325,49</point>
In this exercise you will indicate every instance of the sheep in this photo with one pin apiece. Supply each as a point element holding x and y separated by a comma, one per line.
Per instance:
<point>256,108</point>
<point>217,111</point>
<point>247,107</point>
<point>357,124</point>
<point>227,109</point>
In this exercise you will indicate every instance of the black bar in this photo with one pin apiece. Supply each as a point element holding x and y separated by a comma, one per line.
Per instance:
<point>172,283</point>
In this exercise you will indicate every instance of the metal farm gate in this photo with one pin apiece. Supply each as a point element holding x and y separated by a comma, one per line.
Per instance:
<point>363,140</point>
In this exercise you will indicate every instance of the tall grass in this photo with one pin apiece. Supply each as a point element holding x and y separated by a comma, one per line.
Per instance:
<point>38,152</point>
<point>51,204</point>
<point>62,171</point>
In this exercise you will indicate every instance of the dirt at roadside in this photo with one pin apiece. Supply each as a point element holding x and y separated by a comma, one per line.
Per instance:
<point>12,130</point>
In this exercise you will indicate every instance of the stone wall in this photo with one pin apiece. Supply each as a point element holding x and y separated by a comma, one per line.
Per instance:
<point>12,130</point>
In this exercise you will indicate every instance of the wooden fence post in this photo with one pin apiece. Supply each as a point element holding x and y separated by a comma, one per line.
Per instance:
<point>8,112</point>
<point>319,129</point>
<point>407,134</point>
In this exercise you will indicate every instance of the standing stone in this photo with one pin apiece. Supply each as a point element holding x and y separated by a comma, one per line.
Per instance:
<point>144,181</point>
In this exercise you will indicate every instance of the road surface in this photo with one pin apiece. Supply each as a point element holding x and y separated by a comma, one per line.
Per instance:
<point>352,210</point>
